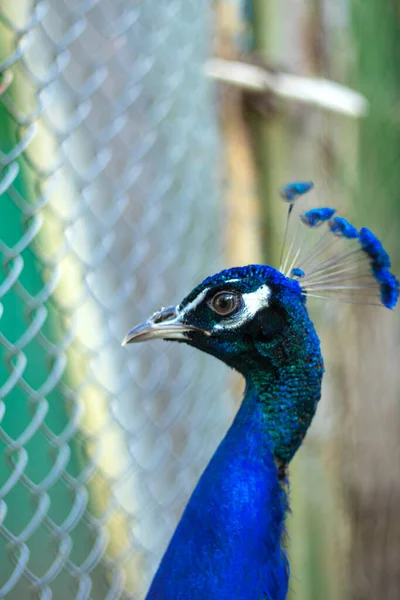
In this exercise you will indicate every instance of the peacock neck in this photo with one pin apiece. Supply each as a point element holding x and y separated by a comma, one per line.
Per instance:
<point>228,543</point>
<point>283,386</point>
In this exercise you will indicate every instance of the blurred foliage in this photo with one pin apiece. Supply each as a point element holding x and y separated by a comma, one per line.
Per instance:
<point>376,42</point>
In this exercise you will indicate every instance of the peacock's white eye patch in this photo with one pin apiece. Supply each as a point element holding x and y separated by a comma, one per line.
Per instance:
<point>226,303</point>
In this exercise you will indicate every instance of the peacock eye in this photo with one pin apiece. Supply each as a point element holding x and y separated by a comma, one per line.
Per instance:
<point>225,303</point>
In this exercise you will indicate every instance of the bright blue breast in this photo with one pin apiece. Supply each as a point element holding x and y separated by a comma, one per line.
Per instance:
<point>228,542</point>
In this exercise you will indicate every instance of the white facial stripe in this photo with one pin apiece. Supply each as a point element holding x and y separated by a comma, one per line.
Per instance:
<point>253,302</point>
<point>257,299</point>
<point>199,298</point>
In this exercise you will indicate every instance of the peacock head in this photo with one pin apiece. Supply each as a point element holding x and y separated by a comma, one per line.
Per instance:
<point>243,316</point>
<point>254,316</point>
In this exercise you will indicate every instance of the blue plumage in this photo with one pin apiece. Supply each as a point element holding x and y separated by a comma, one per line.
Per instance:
<point>297,272</point>
<point>380,264</point>
<point>388,285</point>
<point>316,216</point>
<point>341,227</point>
<point>342,274</point>
<point>290,191</point>
<point>374,249</point>
<point>230,541</point>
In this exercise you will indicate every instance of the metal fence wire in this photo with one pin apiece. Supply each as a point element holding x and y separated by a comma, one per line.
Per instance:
<point>108,150</point>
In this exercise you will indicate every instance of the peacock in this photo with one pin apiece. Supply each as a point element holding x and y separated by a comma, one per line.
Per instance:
<point>230,541</point>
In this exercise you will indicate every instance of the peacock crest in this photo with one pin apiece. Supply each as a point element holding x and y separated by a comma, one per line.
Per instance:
<point>332,259</point>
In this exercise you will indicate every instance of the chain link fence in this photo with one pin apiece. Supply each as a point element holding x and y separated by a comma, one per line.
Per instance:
<point>108,152</point>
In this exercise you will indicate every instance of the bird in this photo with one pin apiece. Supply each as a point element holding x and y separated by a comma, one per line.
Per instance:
<point>231,540</point>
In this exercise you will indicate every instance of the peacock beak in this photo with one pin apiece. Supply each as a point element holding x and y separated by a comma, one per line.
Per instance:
<point>164,324</point>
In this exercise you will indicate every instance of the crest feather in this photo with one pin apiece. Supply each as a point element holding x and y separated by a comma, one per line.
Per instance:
<point>334,259</point>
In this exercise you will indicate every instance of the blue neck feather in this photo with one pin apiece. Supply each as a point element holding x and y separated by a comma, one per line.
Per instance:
<point>287,376</point>
<point>228,543</point>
